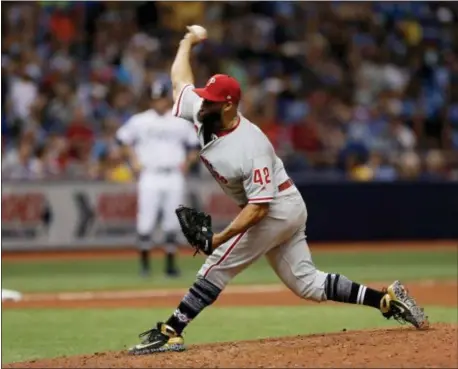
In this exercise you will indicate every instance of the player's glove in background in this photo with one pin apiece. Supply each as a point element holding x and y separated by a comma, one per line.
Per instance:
<point>197,228</point>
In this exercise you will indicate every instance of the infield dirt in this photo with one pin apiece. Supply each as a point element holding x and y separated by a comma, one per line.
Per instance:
<point>394,348</point>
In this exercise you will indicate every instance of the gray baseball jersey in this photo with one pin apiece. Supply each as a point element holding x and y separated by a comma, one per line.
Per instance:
<point>245,165</point>
<point>242,160</point>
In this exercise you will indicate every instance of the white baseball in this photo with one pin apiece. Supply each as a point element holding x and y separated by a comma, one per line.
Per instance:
<point>199,31</point>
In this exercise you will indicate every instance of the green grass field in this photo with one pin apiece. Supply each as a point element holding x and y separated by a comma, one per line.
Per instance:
<point>115,274</point>
<point>38,333</point>
<point>31,334</point>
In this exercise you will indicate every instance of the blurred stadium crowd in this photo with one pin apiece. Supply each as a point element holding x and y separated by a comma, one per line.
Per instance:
<point>359,91</point>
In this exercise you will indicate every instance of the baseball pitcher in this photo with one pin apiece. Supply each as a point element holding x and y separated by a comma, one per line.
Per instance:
<point>271,222</point>
<point>160,148</point>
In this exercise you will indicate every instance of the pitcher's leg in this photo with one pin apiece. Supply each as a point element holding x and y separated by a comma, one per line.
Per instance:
<point>225,263</point>
<point>219,268</point>
<point>293,264</point>
<point>228,261</point>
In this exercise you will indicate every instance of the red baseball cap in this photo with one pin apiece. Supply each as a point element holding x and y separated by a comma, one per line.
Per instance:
<point>220,88</point>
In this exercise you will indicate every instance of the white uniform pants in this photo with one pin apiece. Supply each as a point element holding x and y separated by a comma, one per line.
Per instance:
<point>159,191</point>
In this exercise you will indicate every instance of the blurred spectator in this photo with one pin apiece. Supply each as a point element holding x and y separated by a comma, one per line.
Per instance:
<point>409,166</point>
<point>23,93</point>
<point>103,146</point>
<point>21,164</point>
<point>114,169</point>
<point>435,166</point>
<point>357,89</point>
<point>48,167</point>
<point>381,168</point>
<point>62,26</point>
<point>80,138</point>
<point>121,104</point>
<point>55,154</point>
<point>358,169</point>
<point>398,137</point>
<point>61,107</point>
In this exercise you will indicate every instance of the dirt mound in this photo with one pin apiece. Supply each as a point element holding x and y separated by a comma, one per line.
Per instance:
<point>402,347</point>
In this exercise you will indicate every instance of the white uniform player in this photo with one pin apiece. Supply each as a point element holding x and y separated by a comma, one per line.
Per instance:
<point>163,148</point>
<point>272,220</point>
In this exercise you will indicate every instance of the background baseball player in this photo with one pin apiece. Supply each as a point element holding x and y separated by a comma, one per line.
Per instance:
<point>161,148</point>
<point>272,220</point>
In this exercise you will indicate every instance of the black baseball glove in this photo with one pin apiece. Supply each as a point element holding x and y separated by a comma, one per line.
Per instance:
<point>197,228</point>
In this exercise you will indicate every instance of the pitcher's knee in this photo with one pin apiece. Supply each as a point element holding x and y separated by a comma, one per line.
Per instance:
<point>312,286</point>
<point>213,275</point>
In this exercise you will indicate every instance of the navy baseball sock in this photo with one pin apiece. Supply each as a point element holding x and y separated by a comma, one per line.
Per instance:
<point>340,288</point>
<point>170,266</point>
<point>144,260</point>
<point>144,244</point>
<point>202,294</point>
<point>170,249</point>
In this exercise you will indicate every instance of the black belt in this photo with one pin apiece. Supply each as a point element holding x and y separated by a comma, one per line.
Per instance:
<point>166,170</point>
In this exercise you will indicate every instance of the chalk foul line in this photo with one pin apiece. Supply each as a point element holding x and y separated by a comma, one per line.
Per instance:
<point>158,293</point>
<point>145,294</point>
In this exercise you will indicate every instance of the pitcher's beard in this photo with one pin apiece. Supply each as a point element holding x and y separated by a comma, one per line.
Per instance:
<point>211,123</point>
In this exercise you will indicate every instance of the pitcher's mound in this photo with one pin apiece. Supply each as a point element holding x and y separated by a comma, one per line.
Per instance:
<point>400,348</point>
